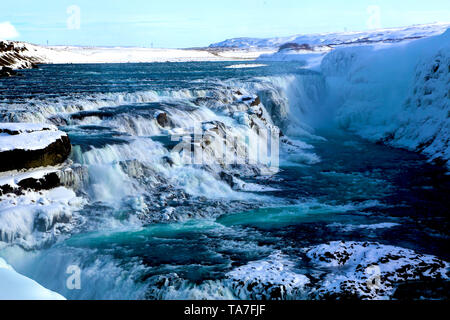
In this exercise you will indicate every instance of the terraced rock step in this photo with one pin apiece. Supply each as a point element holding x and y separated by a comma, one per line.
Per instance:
<point>26,145</point>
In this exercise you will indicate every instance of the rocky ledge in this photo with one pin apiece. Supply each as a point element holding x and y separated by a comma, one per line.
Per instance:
<point>26,145</point>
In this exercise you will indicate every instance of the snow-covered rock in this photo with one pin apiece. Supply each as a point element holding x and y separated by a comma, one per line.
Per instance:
<point>14,286</point>
<point>29,145</point>
<point>337,270</point>
<point>370,270</point>
<point>270,279</point>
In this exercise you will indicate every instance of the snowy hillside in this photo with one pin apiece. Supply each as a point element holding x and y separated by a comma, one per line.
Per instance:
<point>339,38</point>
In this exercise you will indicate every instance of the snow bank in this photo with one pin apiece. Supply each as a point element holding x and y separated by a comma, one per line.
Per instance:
<point>397,94</point>
<point>14,286</point>
<point>245,66</point>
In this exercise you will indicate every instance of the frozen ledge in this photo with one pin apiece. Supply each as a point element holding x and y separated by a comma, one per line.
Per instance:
<point>29,145</point>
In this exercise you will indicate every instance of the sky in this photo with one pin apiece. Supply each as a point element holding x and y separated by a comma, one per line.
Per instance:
<point>196,23</point>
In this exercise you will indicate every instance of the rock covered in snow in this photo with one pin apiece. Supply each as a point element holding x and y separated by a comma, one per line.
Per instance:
<point>14,286</point>
<point>29,145</point>
<point>340,270</point>
<point>273,278</point>
<point>366,270</point>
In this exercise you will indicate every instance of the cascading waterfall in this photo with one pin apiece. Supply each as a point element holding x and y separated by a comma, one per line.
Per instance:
<point>154,227</point>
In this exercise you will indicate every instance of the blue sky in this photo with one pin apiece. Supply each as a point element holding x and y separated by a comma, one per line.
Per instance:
<point>176,23</point>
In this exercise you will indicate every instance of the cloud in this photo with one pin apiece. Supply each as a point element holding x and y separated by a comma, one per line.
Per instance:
<point>8,31</point>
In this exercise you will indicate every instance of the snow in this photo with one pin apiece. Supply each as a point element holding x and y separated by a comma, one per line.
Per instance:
<point>245,65</point>
<point>397,94</point>
<point>31,136</point>
<point>14,286</point>
<point>25,127</point>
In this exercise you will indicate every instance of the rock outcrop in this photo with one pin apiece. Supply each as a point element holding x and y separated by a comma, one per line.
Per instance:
<point>25,146</point>
<point>17,55</point>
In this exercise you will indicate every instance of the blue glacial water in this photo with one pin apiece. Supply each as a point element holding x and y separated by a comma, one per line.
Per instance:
<point>337,187</point>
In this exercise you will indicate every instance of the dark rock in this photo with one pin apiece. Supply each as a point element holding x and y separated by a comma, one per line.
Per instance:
<point>49,181</point>
<point>7,72</point>
<point>96,113</point>
<point>295,46</point>
<point>163,120</point>
<point>168,160</point>
<point>55,153</point>
<point>255,102</point>
<point>228,178</point>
